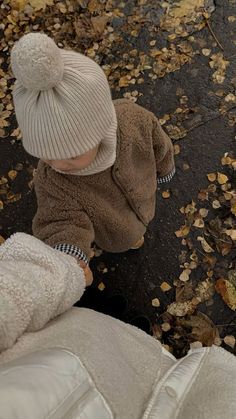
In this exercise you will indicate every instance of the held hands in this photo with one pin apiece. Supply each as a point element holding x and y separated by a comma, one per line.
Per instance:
<point>87,273</point>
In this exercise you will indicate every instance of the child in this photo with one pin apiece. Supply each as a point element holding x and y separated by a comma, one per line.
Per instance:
<point>99,159</point>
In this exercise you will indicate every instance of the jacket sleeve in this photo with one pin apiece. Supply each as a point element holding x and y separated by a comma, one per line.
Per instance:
<point>64,228</point>
<point>164,152</point>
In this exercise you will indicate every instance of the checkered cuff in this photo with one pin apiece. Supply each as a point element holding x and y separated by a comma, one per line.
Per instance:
<point>166,178</point>
<point>71,249</point>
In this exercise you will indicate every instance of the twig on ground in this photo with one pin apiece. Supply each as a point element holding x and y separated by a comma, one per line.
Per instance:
<point>213,34</point>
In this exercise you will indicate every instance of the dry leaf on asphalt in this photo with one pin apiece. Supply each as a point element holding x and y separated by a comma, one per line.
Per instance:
<point>165,286</point>
<point>227,291</point>
<point>230,340</point>
<point>203,329</point>
<point>181,309</point>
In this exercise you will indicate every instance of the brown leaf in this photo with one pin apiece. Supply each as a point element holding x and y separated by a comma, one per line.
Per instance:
<point>203,329</point>
<point>183,231</point>
<point>12,174</point>
<point>184,276</point>
<point>181,309</point>
<point>227,291</point>
<point>222,178</point>
<point>230,341</point>
<point>156,302</point>
<point>165,194</point>
<point>165,286</point>
<point>99,23</point>
<point>184,293</point>
<point>101,286</point>
<point>206,247</point>
<point>211,177</point>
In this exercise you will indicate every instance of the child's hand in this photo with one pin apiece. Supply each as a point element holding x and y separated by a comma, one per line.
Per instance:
<point>87,272</point>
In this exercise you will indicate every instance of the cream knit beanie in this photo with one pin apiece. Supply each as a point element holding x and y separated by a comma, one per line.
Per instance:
<point>62,102</point>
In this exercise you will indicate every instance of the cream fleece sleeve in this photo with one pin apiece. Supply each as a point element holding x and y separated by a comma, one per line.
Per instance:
<point>37,283</point>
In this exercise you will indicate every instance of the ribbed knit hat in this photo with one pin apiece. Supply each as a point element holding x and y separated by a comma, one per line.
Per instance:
<point>62,102</point>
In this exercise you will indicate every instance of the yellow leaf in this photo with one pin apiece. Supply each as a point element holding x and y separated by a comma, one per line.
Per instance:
<point>206,247</point>
<point>233,208</point>
<point>183,231</point>
<point>231,234</point>
<point>20,4</point>
<point>199,223</point>
<point>156,302</point>
<point>206,52</point>
<point>165,194</point>
<point>184,276</point>
<point>231,19</point>
<point>12,174</point>
<point>211,177</point>
<point>40,4</point>
<point>123,82</point>
<point>222,178</point>
<point>101,286</point>
<point>165,286</point>
<point>227,292</point>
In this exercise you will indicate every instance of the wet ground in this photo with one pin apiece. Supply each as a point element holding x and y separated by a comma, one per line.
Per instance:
<point>138,274</point>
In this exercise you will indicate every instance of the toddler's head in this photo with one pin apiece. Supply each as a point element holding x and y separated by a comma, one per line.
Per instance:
<point>63,106</point>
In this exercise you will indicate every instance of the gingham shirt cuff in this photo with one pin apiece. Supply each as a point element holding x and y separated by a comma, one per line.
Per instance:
<point>72,250</point>
<point>166,178</point>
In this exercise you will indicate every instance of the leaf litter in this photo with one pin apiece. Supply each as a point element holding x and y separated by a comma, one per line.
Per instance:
<point>97,29</point>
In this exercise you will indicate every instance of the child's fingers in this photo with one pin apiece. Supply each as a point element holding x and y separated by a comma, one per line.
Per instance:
<point>87,272</point>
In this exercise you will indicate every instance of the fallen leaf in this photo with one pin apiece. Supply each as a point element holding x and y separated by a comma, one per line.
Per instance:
<point>227,292</point>
<point>204,290</point>
<point>206,52</point>
<point>230,341</point>
<point>216,204</point>
<point>231,233</point>
<point>2,240</point>
<point>165,194</point>
<point>36,4</point>
<point>222,178</point>
<point>199,223</point>
<point>176,149</point>
<point>203,212</point>
<point>184,293</point>
<point>156,331</point>
<point>156,302</point>
<point>184,276</point>
<point>206,247</point>
<point>1,205</point>
<point>166,327</point>
<point>101,286</point>
<point>183,231</point>
<point>181,309</point>
<point>165,286</point>
<point>231,19</point>
<point>99,23</point>
<point>12,174</point>
<point>203,329</point>
<point>211,177</point>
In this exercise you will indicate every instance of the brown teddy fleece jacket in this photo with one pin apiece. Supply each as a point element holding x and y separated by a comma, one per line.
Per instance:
<point>113,207</point>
